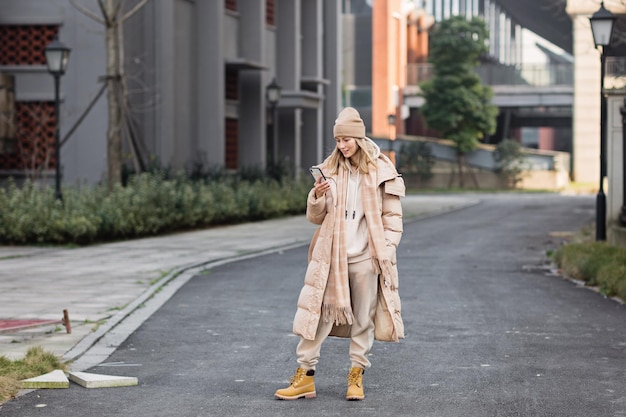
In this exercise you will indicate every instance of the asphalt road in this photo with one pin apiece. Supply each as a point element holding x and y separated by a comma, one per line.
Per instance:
<point>489,333</point>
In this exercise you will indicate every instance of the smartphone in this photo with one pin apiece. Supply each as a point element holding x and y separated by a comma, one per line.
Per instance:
<point>317,172</point>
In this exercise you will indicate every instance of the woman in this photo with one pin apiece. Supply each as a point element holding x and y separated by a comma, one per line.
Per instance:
<point>351,283</point>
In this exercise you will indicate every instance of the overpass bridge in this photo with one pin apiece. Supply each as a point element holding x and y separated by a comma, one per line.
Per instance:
<point>527,94</point>
<point>532,95</point>
<point>548,104</point>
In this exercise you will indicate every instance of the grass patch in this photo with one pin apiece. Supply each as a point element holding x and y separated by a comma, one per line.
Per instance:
<point>36,362</point>
<point>583,187</point>
<point>598,264</point>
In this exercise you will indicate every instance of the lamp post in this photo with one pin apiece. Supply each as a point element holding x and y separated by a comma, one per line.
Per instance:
<point>272,94</point>
<point>57,55</point>
<point>602,23</point>
<point>622,216</point>
<point>391,120</point>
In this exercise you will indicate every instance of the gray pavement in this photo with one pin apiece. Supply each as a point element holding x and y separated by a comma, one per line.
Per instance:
<point>102,285</point>
<point>489,332</point>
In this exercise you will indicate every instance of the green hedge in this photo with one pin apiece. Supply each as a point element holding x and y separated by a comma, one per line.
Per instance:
<point>596,263</point>
<point>148,204</point>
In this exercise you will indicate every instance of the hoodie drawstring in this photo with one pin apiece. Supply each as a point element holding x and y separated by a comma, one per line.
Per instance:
<point>356,188</point>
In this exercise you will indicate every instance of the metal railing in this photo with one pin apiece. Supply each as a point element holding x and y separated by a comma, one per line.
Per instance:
<point>539,75</point>
<point>615,66</point>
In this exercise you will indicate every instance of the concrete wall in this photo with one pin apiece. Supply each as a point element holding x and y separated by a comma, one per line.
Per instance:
<point>616,233</point>
<point>586,108</point>
<point>176,56</point>
<point>544,170</point>
<point>586,115</point>
<point>83,157</point>
<point>445,175</point>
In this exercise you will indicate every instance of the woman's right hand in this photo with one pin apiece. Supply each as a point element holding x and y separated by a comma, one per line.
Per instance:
<point>321,187</point>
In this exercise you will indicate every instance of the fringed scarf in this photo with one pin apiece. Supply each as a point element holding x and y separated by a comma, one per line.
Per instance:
<point>337,305</point>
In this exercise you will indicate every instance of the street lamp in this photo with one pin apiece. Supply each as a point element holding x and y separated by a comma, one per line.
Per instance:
<point>622,216</point>
<point>272,94</point>
<point>57,56</point>
<point>391,120</point>
<point>602,23</point>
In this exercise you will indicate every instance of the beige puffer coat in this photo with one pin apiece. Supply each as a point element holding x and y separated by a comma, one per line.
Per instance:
<point>388,320</point>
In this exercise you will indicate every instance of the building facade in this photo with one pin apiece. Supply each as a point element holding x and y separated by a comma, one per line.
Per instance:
<point>197,73</point>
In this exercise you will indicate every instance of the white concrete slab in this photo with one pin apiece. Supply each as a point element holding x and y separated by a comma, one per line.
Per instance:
<point>89,380</point>
<point>54,379</point>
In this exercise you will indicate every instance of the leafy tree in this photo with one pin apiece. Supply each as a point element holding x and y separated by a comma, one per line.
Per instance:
<point>457,104</point>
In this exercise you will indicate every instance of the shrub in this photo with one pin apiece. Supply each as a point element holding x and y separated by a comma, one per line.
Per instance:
<point>416,158</point>
<point>33,215</point>
<point>149,204</point>
<point>510,161</point>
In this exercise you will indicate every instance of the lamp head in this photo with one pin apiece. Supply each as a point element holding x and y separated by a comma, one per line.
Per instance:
<point>57,56</point>
<point>602,23</point>
<point>272,92</point>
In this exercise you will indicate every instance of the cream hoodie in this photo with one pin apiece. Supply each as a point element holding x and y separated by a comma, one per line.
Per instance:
<point>357,237</point>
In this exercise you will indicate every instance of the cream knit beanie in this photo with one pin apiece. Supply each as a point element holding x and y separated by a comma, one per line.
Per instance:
<point>349,124</point>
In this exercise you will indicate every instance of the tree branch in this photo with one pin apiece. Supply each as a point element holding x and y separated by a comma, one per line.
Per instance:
<point>107,18</point>
<point>87,12</point>
<point>134,10</point>
<point>118,7</point>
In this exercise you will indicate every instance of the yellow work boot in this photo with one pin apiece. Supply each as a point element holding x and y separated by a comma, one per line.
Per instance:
<point>355,385</point>
<point>302,385</point>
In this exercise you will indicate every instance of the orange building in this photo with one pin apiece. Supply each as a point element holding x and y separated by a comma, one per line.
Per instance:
<point>399,37</point>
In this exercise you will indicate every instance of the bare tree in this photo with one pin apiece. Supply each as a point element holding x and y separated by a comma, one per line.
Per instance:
<point>113,14</point>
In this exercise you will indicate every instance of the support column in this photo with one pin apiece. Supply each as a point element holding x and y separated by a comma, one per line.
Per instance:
<point>313,68</point>
<point>288,70</point>
<point>183,139</point>
<point>210,82</point>
<point>311,137</point>
<point>332,72</point>
<point>586,106</point>
<point>252,128</point>
<point>165,81</point>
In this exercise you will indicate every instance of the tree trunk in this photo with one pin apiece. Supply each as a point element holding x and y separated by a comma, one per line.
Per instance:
<point>461,161</point>
<point>113,18</point>
<point>114,133</point>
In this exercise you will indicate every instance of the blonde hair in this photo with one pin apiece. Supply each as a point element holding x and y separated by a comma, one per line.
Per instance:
<point>365,155</point>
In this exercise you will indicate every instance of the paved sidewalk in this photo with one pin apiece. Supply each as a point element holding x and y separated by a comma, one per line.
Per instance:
<point>103,284</point>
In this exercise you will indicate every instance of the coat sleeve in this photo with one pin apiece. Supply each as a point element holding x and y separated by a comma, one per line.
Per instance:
<point>392,210</point>
<point>315,208</point>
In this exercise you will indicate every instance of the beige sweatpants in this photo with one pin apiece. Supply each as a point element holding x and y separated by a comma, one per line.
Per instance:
<point>363,289</point>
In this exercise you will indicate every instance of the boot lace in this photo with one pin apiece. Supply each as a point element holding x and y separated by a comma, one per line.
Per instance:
<point>354,378</point>
<point>300,373</point>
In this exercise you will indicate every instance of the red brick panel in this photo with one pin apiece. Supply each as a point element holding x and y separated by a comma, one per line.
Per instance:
<point>230,5</point>
<point>270,12</point>
<point>35,146</point>
<point>232,143</point>
<point>25,44</point>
